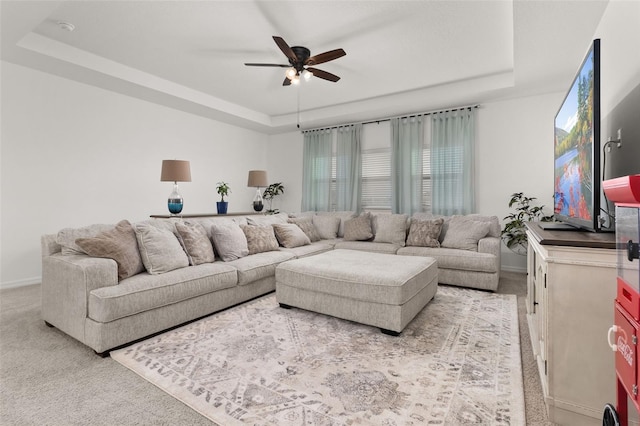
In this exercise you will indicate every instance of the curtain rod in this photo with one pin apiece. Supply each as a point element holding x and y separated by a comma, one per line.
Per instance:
<point>380,120</point>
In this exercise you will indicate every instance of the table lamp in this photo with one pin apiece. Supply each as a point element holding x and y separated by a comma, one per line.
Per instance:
<point>258,179</point>
<point>175,171</point>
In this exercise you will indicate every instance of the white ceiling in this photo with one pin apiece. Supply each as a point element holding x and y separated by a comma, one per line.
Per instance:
<point>402,56</point>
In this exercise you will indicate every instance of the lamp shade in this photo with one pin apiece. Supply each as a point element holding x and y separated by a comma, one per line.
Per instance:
<point>175,171</point>
<point>258,178</point>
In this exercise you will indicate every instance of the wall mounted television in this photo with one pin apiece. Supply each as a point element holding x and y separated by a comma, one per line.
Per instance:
<point>577,180</point>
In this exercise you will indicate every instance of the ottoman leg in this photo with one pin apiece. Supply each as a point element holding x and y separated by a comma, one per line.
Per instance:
<point>390,332</point>
<point>283,306</point>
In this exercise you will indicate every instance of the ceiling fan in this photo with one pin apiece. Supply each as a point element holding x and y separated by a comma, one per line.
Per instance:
<point>301,61</point>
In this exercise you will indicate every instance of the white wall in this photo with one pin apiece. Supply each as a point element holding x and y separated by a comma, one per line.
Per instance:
<point>73,155</point>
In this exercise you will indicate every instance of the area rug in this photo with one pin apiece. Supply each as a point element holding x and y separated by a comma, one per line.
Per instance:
<point>457,362</point>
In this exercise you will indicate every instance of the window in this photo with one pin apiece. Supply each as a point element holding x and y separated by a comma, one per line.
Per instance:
<point>376,180</point>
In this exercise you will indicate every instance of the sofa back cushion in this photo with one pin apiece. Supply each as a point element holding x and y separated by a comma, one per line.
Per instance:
<point>119,244</point>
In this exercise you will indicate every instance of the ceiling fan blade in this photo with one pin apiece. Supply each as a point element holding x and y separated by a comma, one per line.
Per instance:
<point>252,64</point>
<point>285,49</point>
<point>286,82</point>
<point>325,57</point>
<point>323,74</point>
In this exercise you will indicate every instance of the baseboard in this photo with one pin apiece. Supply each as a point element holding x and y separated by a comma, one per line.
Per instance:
<point>20,283</point>
<point>514,269</point>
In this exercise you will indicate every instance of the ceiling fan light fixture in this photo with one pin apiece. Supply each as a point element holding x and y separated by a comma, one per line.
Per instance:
<point>295,79</point>
<point>307,75</point>
<point>291,73</point>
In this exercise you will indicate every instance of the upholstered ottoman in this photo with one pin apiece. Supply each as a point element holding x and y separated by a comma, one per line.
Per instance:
<point>382,290</point>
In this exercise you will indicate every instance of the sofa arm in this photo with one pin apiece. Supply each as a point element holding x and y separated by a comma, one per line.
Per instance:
<point>489,245</point>
<point>67,281</point>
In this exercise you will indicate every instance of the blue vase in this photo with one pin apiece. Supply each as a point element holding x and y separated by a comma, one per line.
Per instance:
<point>222,206</point>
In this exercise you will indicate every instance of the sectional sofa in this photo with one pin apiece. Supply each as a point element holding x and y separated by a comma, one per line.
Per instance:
<point>110,285</point>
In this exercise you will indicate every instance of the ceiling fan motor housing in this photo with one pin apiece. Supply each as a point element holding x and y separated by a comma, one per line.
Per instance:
<point>302,53</point>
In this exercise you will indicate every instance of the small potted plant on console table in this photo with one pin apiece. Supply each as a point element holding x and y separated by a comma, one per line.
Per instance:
<point>223,190</point>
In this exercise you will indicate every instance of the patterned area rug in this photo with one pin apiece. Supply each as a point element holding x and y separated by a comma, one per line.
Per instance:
<point>457,362</point>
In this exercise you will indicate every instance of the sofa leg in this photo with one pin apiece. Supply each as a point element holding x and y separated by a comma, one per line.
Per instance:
<point>283,306</point>
<point>48,324</point>
<point>390,332</point>
<point>104,354</point>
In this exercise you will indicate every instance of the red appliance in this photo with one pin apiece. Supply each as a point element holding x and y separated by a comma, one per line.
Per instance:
<point>625,192</point>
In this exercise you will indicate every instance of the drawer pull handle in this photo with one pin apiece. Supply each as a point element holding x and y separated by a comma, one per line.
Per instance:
<point>613,346</point>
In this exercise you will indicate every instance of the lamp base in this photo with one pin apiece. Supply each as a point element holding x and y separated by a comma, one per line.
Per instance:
<point>258,206</point>
<point>175,205</point>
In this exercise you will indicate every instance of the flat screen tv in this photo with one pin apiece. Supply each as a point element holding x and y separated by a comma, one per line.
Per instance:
<point>577,179</point>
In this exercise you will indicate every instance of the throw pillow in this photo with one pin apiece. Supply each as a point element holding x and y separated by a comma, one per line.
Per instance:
<point>425,233</point>
<point>290,235</point>
<point>327,226</point>
<point>494,230</point>
<point>119,244</point>
<point>343,215</point>
<point>358,228</point>
<point>464,233</point>
<point>390,228</point>
<point>195,242</point>
<point>260,238</point>
<point>160,249</point>
<point>229,240</point>
<point>307,226</point>
<point>67,237</point>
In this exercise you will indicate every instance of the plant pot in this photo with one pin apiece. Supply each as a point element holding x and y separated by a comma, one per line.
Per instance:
<point>222,206</point>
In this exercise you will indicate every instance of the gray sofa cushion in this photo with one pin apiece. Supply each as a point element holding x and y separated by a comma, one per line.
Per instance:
<point>464,260</point>
<point>258,266</point>
<point>308,250</point>
<point>144,292</point>
<point>368,246</point>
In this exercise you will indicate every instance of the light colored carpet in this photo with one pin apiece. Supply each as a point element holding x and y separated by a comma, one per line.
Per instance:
<point>457,362</point>
<point>48,378</point>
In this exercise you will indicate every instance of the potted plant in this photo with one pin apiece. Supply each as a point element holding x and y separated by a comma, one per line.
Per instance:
<point>270,193</point>
<point>223,190</point>
<point>514,233</point>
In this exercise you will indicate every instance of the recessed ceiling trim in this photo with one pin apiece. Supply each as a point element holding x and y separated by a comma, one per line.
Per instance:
<point>64,52</point>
